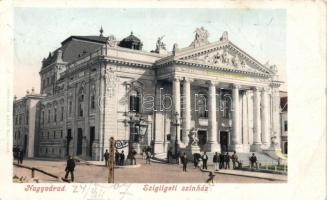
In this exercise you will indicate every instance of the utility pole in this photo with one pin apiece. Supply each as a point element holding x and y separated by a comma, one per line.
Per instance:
<point>111,160</point>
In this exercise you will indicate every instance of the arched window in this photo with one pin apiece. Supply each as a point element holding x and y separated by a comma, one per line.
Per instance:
<point>201,106</point>
<point>55,114</point>
<point>92,98</point>
<point>80,102</point>
<point>134,101</point>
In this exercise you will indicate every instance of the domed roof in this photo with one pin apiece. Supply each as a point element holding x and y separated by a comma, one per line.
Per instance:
<point>131,42</point>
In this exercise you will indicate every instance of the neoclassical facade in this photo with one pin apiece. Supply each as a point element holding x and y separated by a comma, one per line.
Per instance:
<point>212,94</point>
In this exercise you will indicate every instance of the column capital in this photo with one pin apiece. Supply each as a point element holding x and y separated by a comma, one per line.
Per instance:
<point>264,89</point>
<point>187,79</point>
<point>212,83</point>
<point>235,86</point>
<point>256,88</point>
<point>176,78</point>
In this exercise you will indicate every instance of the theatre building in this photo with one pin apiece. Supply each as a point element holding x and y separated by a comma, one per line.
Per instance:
<point>212,95</point>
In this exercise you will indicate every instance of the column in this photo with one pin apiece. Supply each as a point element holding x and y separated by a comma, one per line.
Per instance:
<point>276,115</point>
<point>177,108</point>
<point>236,134</point>
<point>256,146</point>
<point>212,143</point>
<point>245,122</point>
<point>265,119</point>
<point>187,111</point>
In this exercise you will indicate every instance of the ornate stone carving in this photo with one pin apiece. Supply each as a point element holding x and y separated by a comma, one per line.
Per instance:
<point>194,135</point>
<point>160,45</point>
<point>224,37</point>
<point>201,37</point>
<point>112,42</point>
<point>110,81</point>
<point>175,48</point>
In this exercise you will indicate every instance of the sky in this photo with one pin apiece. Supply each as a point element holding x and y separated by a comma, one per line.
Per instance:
<point>37,31</point>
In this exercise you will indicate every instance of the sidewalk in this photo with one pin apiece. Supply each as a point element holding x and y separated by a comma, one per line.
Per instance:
<point>261,175</point>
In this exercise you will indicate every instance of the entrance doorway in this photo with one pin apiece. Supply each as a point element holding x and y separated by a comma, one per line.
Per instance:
<point>92,135</point>
<point>69,138</point>
<point>202,136</point>
<point>224,141</point>
<point>79,141</point>
<point>25,145</point>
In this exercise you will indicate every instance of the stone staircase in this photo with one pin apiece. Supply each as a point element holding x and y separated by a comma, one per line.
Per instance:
<point>262,158</point>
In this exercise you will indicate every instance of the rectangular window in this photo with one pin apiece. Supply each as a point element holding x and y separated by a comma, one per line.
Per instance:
<point>61,134</point>
<point>49,112</point>
<point>54,134</point>
<point>42,116</point>
<point>80,109</point>
<point>134,104</point>
<point>92,102</point>
<point>62,113</point>
<point>55,115</point>
<point>285,126</point>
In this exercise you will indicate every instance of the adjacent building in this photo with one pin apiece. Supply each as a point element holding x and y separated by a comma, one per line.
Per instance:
<point>26,123</point>
<point>283,118</point>
<point>210,94</point>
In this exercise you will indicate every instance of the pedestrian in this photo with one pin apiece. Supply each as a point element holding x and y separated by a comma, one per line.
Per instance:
<point>184,161</point>
<point>133,154</point>
<point>227,160</point>
<point>215,161</point>
<point>211,178</point>
<point>148,157</point>
<point>20,156</point>
<point>204,160</point>
<point>195,160</point>
<point>106,157</point>
<point>70,166</point>
<point>122,158</point>
<point>253,160</point>
<point>144,153</point>
<point>221,160</point>
<point>117,156</point>
<point>178,155</point>
<point>235,160</point>
<point>169,155</point>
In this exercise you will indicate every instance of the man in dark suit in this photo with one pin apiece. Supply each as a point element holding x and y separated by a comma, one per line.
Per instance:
<point>20,156</point>
<point>122,158</point>
<point>184,161</point>
<point>117,156</point>
<point>221,160</point>
<point>227,160</point>
<point>70,168</point>
<point>215,161</point>
<point>204,160</point>
<point>106,157</point>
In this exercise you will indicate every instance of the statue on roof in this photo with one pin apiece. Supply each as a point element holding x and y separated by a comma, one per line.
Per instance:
<point>201,37</point>
<point>160,45</point>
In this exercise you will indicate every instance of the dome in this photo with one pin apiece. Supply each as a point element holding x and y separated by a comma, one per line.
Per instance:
<point>131,42</point>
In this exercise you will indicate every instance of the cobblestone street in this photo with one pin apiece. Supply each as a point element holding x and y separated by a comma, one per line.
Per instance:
<point>154,173</point>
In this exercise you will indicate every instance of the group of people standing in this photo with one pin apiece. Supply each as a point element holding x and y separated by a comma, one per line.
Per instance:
<point>222,160</point>
<point>18,154</point>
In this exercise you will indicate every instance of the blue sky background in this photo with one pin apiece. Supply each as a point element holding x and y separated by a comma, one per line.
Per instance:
<point>259,32</point>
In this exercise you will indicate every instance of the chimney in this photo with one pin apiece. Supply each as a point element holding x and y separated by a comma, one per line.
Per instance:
<point>15,97</point>
<point>27,92</point>
<point>32,91</point>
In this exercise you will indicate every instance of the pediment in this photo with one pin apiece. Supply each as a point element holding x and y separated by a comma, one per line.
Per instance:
<point>224,55</point>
